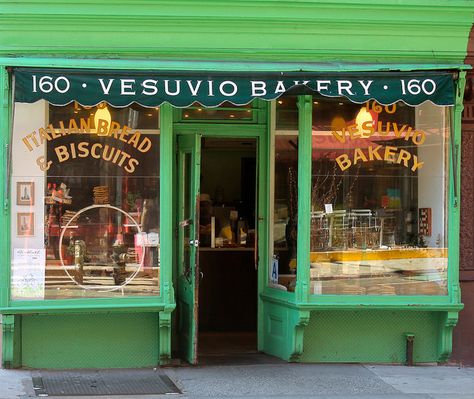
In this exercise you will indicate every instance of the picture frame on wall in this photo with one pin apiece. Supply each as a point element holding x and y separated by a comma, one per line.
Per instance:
<point>25,193</point>
<point>25,224</point>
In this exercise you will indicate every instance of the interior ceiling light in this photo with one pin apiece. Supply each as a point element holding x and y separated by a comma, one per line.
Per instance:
<point>338,123</point>
<point>362,117</point>
<point>102,113</point>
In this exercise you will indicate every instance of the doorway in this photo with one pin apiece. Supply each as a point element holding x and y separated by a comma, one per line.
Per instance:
<point>217,270</point>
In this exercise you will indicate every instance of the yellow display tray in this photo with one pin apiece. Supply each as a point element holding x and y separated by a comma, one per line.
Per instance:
<point>378,254</point>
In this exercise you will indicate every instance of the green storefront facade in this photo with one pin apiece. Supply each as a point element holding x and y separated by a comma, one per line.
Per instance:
<point>288,172</point>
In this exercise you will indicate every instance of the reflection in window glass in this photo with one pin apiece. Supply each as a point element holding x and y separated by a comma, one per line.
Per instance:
<point>285,196</point>
<point>86,219</point>
<point>225,112</point>
<point>287,113</point>
<point>379,217</point>
<point>135,116</point>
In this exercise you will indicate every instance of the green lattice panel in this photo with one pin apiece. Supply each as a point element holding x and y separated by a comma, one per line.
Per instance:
<point>375,336</point>
<point>90,341</point>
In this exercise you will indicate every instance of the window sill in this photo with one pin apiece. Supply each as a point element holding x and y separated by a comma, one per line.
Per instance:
<point>145,304</point>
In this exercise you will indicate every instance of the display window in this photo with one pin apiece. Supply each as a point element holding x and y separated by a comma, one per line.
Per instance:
<point>85,214</point>
<point>379,198</point>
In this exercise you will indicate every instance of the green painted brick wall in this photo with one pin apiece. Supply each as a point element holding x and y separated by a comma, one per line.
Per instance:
<point>90,341</point>
<point>375,336</point>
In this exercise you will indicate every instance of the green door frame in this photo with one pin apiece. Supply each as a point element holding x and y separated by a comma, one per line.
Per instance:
<point>258,132</point>
<point>188,193</point>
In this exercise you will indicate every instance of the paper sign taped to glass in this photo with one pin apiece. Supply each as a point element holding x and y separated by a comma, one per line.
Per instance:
<point>151,239</point>
<point>28,273</point>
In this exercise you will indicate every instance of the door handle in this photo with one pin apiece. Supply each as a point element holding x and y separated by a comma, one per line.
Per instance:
<point>186,222</point>
<point>195,243</point>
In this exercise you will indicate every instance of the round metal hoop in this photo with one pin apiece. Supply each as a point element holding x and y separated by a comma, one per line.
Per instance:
<point>101,288</point>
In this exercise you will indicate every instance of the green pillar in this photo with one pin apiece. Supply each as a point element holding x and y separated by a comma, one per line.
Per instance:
<point>166,231</point>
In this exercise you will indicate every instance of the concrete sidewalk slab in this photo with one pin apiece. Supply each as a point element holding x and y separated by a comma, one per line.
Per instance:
<point>15,383</point>
<point>434,380</point>
<point>292,381</point>
<point>286,380</point>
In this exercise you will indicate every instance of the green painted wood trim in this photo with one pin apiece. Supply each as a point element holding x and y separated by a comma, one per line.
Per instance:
<point>11,341</point>
<point>370,302</point>
<point>304,197</point>
<point>298,321</point>
<point>5,128</point>
<point>86,306</point>
<point>454,197</point>
<point>166,205</point>
<point>164,338</point>
<point>306,30</point>
<point>160,64</point>
<point>263,215</point>
<point>445,343</point>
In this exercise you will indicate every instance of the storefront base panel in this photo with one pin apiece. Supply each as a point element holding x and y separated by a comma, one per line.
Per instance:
<point>284,331</point>
<point>90,341</point>
<point>372,336</point>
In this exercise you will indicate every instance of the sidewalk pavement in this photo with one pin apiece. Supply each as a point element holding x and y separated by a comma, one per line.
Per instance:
<point>290,380</point>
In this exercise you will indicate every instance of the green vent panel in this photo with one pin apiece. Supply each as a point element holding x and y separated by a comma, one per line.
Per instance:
<point>90,341</point>
<point>370,336</point>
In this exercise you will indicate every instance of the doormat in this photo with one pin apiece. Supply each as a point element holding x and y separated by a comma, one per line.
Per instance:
<point>102,383</point>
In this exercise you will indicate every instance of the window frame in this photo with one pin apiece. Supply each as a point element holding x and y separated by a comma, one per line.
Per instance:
<point>304,211</point>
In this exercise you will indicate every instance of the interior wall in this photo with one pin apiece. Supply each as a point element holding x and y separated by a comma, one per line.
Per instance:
<point>221,171</point>
<point>432,176</point>
<point>28,118</point>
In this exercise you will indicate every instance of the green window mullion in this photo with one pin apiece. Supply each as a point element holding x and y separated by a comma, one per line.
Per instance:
<point>5,121</point>
<point>166,201</point>
<point>304,197</point>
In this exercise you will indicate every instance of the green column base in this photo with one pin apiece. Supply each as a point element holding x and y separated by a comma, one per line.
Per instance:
<point>448,322</point>
<point>284,331</point>
<point>11,333</point>
<point>165,337</point>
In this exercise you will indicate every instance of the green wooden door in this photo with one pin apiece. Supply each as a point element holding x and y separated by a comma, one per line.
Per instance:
<point>189,166</point>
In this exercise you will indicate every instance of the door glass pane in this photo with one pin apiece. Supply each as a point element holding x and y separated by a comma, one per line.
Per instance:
<point>285,193</point>
<point>187,209</point>
<point>86,211</point>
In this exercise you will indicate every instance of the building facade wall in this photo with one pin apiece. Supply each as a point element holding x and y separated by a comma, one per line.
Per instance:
<point>463,345</point>
<point>185,35</point>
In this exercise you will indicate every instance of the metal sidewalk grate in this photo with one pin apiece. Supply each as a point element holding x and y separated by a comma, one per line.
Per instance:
<point>102,382</point>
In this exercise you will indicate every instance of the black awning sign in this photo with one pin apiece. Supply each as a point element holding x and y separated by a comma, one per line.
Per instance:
<point>151,89</point>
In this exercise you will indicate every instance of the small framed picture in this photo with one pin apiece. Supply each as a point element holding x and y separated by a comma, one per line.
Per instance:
<point>25,193</point>
<point>25,224</point>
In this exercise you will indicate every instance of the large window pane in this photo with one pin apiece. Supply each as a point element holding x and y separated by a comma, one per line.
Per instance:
<point>85,216</point>
<point>379,187</point>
